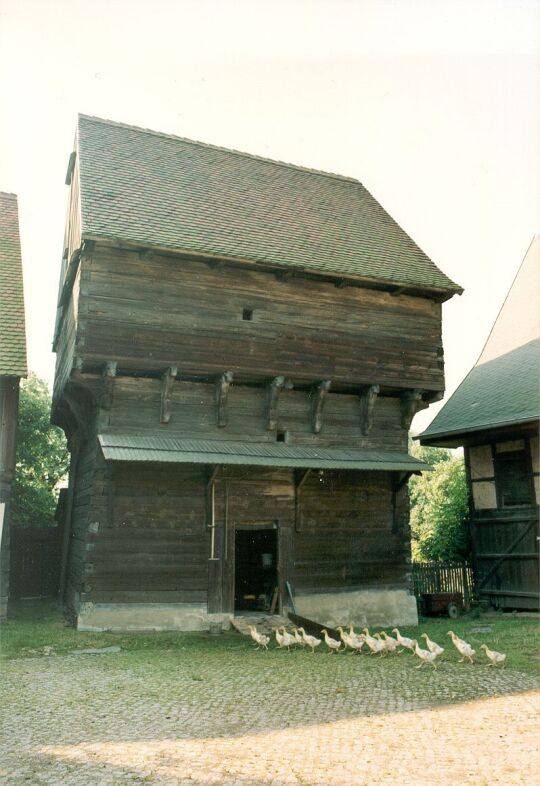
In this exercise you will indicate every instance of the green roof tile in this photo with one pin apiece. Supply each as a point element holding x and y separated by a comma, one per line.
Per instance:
<point>153,189</point>
<point>503,388</point>
<point>12,330</point>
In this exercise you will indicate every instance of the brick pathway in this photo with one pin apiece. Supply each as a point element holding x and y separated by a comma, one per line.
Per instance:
<point>264,719</point>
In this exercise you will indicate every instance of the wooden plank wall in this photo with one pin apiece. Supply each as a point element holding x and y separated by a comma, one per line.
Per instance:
<point>347,536</point>
<point>152,544</point>
<point>136,410</point>
<point>349,335</point>
<point>156,544</point>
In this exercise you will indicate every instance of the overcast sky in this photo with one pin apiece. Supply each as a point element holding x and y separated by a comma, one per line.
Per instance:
<point>432,104</point>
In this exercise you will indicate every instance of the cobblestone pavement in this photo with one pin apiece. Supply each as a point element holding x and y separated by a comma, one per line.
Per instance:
<point>265,719</point>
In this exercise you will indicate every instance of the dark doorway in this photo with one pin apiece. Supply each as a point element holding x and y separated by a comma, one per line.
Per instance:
<point>255,572</point>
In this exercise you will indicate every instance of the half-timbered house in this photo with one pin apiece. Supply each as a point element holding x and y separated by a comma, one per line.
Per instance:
<point>12,368</point>
<point>241,347</point>
<point>495,415</point>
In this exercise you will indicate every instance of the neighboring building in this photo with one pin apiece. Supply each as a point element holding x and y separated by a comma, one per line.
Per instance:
<point>12,368</point>
<point>241,346</point>
<point>495,415</point>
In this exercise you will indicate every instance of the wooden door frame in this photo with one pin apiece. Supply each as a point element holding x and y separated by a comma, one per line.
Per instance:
<point>229,572</point>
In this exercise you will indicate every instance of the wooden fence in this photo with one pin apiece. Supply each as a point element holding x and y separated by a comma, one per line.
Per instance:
<point>35,562</point>
<point>443,577</point>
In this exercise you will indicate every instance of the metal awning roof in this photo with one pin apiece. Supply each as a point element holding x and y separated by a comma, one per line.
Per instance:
<point>128,447</point>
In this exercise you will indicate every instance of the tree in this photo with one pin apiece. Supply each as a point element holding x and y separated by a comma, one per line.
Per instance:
<point>42,458</point>
<point>439,507</point>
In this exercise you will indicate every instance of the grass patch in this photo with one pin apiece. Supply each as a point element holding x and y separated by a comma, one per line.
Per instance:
<point>37,629</point>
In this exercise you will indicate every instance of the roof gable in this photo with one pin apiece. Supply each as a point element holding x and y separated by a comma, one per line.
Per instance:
<point>12,328</point>
<point>503,388</point>
<point>156,190</point>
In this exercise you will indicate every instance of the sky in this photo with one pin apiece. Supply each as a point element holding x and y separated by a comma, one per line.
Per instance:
<point>432,104</point>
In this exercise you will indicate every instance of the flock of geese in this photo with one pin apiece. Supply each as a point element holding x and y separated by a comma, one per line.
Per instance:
<point>380,644</point>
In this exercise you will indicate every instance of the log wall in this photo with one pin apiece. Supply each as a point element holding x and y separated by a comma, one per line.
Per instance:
<point>152,313</point>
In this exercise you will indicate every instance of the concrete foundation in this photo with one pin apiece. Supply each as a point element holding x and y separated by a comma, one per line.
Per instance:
<point>380,608</point>
<point>149,617</point>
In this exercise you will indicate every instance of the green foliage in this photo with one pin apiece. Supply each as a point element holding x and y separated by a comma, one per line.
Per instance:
<point>439,507</point>
<point>42,458</point>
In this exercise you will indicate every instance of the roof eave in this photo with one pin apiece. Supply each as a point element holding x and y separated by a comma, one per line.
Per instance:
<point>440,293</point>
<point>443,438</point>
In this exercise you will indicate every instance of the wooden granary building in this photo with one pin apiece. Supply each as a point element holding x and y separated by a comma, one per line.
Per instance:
<point>495,415</point>
<point>12,368</point>
<point>241,347</point>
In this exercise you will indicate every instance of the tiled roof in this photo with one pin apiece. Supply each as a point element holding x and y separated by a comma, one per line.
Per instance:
<point>501,392</point>
<point>157,190</point>
<point>12,330</point>
<point>131,447</point>
<point>504,386</point>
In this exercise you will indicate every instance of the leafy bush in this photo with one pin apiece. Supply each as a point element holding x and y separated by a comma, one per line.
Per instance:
<point>42,458</point>
<point>439,507</point>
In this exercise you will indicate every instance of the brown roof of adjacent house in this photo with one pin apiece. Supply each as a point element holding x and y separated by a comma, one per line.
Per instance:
<point>503,388</point>
<point>12,329</point>
<point>163,191</point>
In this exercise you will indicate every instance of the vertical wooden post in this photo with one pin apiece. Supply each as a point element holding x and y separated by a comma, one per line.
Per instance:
<point>9,406</point>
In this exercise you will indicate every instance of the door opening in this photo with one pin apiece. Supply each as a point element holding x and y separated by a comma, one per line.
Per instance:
<point>255,572</point>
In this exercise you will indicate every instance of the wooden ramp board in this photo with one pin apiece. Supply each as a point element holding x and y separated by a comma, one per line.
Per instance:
<point>313,628</point>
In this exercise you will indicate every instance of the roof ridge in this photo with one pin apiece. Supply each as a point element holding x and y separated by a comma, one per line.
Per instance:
<point>211,146</point>
<point>8,194</point>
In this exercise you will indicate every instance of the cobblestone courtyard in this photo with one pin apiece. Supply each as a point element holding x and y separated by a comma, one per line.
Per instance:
<point>234,716</point>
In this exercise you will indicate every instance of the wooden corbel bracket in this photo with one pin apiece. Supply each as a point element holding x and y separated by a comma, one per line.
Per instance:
<point>411,403</point>
<point>107,387</point>
<point>274,389</point>
<point>167,387</point>
<point>319,394</point>
<point>368,398</point>
<point>222,392</point>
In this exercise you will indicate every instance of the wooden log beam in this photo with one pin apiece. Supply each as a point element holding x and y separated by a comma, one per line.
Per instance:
<point>319,394</point>
<point>222,392</point>
<point>411,403</point>
<point>368,398</point>
<point>167,387</point>
<point>274,389</point>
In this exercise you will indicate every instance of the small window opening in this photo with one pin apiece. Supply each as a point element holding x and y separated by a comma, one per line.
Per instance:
<point>281,436</point>
<point>247,314</point>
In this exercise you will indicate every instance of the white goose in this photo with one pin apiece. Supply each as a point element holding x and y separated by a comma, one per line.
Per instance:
<point>432,645</point>
<point>332,644</point>
<point>310,641</point>
<point>462,647</point>
<point>408,644</point>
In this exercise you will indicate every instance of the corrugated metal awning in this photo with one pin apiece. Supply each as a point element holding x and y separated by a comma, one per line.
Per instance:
<point>127,447</point>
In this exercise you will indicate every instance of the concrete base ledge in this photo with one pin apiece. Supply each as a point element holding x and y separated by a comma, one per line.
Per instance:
<point>146,617</point>
<point>381,608</point>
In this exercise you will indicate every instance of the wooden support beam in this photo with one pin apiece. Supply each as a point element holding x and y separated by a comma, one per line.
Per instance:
<point>222,391</point>
<point>318,394</point>
<point>107,389</point>
<point>167,387</point>
<point>274,389</point>
<point>300,477</point>
<point>411,403</point>
<point>368,398</point>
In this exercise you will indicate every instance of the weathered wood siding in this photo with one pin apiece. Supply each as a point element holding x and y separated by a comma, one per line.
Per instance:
<point>152,313</point>
<point>155,544</point>
<point>152,540</point>
<point>348,536</point>
<point>89,513</point>
<point>505,539</point>
<point>137,401</point>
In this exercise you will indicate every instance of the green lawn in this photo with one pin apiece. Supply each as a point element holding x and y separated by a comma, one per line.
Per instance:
<point>35,627</point>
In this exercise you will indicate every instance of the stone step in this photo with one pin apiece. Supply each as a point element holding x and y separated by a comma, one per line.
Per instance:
<point>265,623</point>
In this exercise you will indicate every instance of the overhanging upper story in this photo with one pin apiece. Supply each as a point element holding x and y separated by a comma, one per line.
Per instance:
<point>210,265</point>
